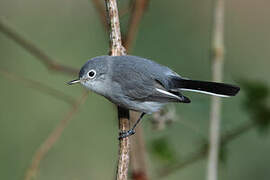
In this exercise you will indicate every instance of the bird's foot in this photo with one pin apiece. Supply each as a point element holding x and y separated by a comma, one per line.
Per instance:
<point>125,134</point>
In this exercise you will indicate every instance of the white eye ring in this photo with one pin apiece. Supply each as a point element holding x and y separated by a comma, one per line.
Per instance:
<point>92,73</point>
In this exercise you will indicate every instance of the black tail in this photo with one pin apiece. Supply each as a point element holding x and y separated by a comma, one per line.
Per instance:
<point>213,88</point>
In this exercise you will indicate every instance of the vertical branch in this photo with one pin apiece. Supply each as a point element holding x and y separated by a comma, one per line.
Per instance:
<point>138,160</point>
<point>138,152</point>
<point>116,49</point>
<point>217,68</point>
<point>124,146</point>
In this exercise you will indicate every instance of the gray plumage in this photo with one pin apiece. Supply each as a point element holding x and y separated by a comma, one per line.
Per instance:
<point>140,84</point>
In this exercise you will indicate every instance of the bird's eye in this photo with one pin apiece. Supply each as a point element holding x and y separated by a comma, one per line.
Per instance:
<point>92,73</point>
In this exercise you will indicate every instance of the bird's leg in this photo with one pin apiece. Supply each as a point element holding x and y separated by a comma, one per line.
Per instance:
<point>131,131</point>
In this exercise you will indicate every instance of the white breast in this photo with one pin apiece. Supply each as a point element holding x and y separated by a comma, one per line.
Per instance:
<point>147,107</point>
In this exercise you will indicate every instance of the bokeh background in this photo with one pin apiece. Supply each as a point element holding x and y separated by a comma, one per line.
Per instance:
<point>174,33</point>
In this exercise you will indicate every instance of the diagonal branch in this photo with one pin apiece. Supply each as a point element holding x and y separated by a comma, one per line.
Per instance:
<point>102,13</point>
<point>194,157</point>
<point>53,138</point>
<point>201,153</point>
<point>48,61</point>
<point>138,9</point>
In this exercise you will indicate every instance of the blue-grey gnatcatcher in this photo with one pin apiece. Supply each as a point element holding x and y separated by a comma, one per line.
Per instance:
<point>142,85</point>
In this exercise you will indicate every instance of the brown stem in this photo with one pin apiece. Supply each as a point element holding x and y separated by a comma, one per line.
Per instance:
<point>99,6</point>
<point>124,146</point>
<point>138,164</point>
<point>138,152</point>
<point>217,73</point>
<point>138,10</point>
<point>116,49</point>
<point>49,62</point>
<point>52,138</point>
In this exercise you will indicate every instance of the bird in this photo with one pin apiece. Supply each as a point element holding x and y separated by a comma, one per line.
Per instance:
<point>142,85</point>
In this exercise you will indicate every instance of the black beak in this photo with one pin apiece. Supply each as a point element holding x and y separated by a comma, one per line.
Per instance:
<point>73,82</point>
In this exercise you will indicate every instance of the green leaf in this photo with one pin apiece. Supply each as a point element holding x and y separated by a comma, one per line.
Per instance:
<point>256,104</point>
<point>162,150</point>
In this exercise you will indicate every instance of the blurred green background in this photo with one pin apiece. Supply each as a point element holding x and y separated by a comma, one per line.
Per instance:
<point>174,33</point>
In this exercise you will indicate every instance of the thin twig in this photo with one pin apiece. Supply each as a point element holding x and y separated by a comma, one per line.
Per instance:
<point>235,133</point>
<point>217,71</point>
<point>38,86</point>
<point>194,157</point>
<point>202,152</point>
<point>53,138</point>
<point>116,49</point>
<point>138,10</point>
<point>48,61</point>
<point>99,6</point>
<point>125,10</point>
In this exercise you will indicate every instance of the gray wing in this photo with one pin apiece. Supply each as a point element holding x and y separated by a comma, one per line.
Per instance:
<point>140,81</point>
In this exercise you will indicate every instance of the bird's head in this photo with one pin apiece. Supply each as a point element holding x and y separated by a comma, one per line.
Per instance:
<point>93,74</point>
